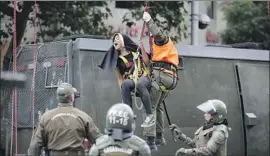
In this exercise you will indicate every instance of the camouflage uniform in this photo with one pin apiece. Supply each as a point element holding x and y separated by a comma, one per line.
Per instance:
<point>210,139</point>
<point>62,130</point>
<point>120,139</point>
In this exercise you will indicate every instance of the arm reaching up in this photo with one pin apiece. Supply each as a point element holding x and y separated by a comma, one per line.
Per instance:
<point>160,37</point>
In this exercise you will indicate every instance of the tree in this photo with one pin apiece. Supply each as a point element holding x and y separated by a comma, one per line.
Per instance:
<point>169,15</point>
<point>247,22</point>
<point>55,18</point>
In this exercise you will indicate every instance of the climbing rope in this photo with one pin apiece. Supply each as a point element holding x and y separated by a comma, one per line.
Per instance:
<point>34,66</point>
<point>14,98</point>
<point>137,64</point>
<point>14,91</point>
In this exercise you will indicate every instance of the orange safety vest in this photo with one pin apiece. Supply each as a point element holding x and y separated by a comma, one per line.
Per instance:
<point>166,53</point>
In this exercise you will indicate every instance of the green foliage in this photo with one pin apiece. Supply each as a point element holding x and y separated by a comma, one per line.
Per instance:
<point>247,22</point>
<point>168,15</point>
<point>80,17</point>
<point>59,17</point>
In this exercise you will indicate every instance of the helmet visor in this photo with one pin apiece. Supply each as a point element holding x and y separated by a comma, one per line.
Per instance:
<point>207,107</point>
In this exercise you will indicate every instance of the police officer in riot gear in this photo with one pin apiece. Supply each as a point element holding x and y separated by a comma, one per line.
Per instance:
<point>62,130</point>
<point>211,138</point>
<point>120,139</point>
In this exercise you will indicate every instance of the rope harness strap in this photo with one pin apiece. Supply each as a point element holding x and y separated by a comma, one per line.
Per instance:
<point>164,68</point>
<point>138,70</point>
<point>137,65</point>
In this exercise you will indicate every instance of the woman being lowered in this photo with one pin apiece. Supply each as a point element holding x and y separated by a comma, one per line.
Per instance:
<point>120,57</point>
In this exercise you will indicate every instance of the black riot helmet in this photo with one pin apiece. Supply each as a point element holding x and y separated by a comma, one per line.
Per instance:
<point>120,121</point>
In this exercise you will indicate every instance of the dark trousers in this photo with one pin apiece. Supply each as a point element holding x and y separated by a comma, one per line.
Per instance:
<point>143,88</point>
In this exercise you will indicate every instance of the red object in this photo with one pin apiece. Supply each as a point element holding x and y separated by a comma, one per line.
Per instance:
<point>86,144</point>
<point>211,38</point>
<point>20,68</point>
<point>60,62</point>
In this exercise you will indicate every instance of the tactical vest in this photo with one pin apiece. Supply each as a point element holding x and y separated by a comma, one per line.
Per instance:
<point>166,53</point>
<point>143,69</point>
<point>202,137</point>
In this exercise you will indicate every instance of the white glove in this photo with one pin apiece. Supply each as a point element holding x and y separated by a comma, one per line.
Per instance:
<point>146,16</point>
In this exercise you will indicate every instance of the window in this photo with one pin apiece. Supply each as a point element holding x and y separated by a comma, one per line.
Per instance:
<point>123,4</point>
<point>128,4</point>
<point>211,10</point>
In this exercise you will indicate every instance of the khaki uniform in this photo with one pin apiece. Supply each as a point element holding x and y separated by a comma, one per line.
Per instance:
<point>133,146</point>
<point>157,110</point>
<point>157,97</point>
<point>62,131</point>
<point>208,142</point>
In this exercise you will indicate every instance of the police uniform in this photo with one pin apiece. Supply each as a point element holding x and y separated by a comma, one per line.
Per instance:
<point>164,78</point>
<point>62,130</point>
<point>119,139</point>
<point>210,139</point>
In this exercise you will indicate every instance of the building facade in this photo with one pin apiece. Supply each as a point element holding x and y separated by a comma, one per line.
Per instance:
<point>208,36</point>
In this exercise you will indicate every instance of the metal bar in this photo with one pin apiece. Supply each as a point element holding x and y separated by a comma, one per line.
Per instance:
<point>69,63</point>
<point>194,22</point>
<point>168,118</point>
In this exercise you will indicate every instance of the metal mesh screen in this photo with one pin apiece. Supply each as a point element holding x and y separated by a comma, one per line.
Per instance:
<point>51,70</point>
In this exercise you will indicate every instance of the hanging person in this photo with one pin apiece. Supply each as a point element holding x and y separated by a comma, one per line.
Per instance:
<point>120,58</point>
<point>164,63</point>
<point>165,57</point>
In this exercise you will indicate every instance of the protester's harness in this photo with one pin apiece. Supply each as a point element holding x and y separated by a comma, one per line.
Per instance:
<point>137,70</point>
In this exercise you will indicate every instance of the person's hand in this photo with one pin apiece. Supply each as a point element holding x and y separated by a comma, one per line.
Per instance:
<point>183,151</point>
<point>176,130</point>
<point>146,16</point>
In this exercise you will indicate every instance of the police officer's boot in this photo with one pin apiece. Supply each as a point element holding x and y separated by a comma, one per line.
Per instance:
<point>151,143</point>
<point>160,140</point>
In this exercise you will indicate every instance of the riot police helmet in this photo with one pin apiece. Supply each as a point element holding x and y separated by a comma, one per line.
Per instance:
<point>120,121</point>
<point>216,108</point>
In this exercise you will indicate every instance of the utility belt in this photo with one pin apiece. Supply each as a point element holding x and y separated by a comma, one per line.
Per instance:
<point>164,66</point>
<point>66,153</point>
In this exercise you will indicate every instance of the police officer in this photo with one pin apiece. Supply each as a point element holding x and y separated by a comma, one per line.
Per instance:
<point>62,130</point>
<point>211,138</point>
<point>120,139</point>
